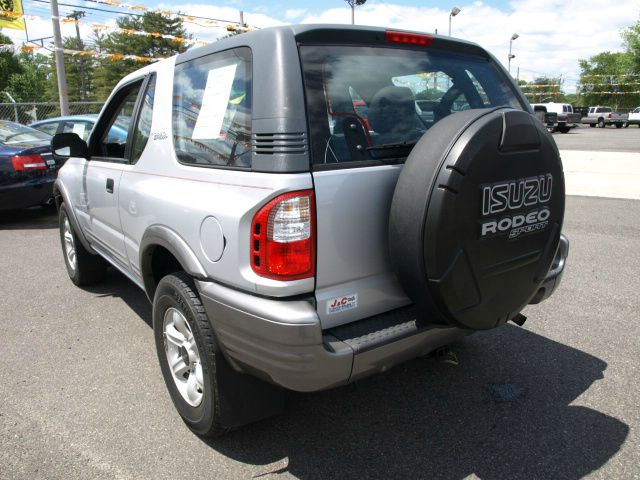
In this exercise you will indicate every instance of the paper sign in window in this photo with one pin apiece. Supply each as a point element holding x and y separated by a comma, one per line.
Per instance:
<point>79,129</point>
<point>215,100</point>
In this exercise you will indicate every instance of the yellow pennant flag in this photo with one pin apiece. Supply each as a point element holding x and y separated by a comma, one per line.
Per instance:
<point>11,14</point>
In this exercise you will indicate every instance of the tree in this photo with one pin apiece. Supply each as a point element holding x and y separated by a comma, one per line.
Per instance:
<point>631,38</point>
<point>31,82</point>
<point>606,77</point>
<point>108,72</point>
<point>544,89</point>
<point>79,71</point>
<point>9,64</point>
<point>610,78</point>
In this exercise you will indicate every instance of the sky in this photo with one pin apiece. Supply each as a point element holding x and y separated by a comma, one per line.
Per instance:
<point>553,35</point>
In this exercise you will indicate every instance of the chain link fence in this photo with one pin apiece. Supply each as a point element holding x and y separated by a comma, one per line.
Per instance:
<point>27,113</point>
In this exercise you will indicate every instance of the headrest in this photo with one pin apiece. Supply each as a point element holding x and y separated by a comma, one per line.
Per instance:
<point>392,108</point>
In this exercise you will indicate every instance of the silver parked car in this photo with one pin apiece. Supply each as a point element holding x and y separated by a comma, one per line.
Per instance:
<point>295,220</point>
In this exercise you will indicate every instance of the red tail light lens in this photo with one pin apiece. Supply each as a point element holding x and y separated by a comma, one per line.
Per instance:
<point>393,36</point>
<point>28,162</point>
<point>283,240</point>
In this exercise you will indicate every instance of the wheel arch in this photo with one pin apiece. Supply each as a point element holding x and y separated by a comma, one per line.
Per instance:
<point>60,196</point>
<point>164,251</point>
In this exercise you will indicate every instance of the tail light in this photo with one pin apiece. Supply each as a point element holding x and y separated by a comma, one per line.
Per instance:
<point>609,116</point>
<point>283,239</point>
<point>28,162</point>
<point>393,36</point>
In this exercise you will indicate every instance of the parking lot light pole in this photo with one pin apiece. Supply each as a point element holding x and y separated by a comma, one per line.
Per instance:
<point>453,13</point>
<point>59,56</point>
<point>513,37</point>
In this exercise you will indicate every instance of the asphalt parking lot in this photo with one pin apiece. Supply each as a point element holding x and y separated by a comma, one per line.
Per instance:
<point>609,139</point>
<point>83,397</point>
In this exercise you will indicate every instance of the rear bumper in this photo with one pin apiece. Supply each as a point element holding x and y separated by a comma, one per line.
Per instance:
<point>27,193</point>
<point>553,278</point>
<point>282,341</point>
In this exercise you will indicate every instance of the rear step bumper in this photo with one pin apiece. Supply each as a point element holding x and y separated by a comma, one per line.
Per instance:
<point>281,340</point>
<point>552,280</point>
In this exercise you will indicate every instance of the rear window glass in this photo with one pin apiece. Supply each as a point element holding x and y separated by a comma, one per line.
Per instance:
<point>212,110</point>
<point>374,103</point>
<point>11,133</point>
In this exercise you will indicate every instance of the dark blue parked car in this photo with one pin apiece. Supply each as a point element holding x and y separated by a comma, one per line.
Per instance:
<point>27,168</point>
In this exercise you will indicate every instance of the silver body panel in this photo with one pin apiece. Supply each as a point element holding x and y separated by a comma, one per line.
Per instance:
<point>158,190</point>
<point>353,252</point>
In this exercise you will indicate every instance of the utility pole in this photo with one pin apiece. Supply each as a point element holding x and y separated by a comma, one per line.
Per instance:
<point>77,15</point>
<point>62,78</point>
<point>353,4</point>
<point>242,19</point>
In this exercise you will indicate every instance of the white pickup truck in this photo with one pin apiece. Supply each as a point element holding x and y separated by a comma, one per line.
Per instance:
<point>565,120</point>
<point>633,118</point>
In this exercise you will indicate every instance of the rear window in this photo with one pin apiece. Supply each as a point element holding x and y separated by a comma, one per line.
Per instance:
<point>212,110</point>
<point>371,104</point>
<point>11,133</point>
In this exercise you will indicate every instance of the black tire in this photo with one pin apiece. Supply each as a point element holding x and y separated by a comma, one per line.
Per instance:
<point>178,291</point>
<point>618,125</point>
<point>564,129</point>
<point>592,125</point>
<point>89,268</point>
<point>601,123</point>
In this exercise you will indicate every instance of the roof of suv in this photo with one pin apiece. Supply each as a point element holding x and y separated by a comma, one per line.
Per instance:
<point>325,33</point>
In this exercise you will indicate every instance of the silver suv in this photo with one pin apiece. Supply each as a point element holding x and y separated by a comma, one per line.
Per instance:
<point>299,222</point>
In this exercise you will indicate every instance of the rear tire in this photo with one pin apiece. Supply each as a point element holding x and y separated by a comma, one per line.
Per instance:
<point>83,267</point>
<point>618,125</point>
<point>211,397</point>
<point>601,123</point>
<point>179,316</point>
<point>592,125</point>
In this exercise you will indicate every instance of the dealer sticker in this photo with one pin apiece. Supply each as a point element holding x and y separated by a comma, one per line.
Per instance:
<point>342,304</point>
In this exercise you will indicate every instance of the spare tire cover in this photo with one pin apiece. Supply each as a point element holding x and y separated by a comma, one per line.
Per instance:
<point>476,216</point>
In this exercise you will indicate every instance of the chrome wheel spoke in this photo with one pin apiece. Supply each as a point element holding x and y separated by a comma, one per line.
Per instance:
<point>193,391</point>
<point>174,337</point>
<point>183,357</point>
<point>199,376</point>
<point>178,367</point>
<point>180,323</point>
<point>69,245</point>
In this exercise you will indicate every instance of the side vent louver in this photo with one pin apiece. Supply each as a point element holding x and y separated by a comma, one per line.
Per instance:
<point>278,143</point>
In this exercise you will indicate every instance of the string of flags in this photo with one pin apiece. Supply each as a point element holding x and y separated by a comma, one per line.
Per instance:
<point>546,85</point>
<point>130,31</point>
<point>78,53</point>
<point>592,93</point>
<point>229,25</point>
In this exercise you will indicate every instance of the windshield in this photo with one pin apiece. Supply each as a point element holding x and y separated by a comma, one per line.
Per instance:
<point>374,103</point>
<point>11,133</point>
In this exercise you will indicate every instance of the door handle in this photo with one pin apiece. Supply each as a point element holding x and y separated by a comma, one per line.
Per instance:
<point>109,185</point>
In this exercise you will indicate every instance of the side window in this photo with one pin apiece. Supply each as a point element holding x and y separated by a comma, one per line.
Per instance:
<point>212,110</point>
<point>113,143</point>
<point>50,128</point>
<point>82,129</point>
<point>143,127</point>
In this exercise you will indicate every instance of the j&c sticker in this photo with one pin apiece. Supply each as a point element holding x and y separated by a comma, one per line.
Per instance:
<point>342,304</point>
